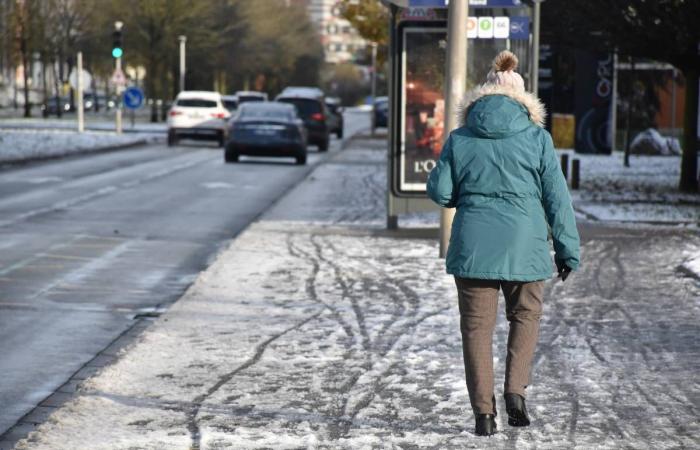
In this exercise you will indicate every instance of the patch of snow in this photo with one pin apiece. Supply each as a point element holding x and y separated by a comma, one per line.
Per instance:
<point>692,264</point>
<point>647,191</point>
<point>24,144</point>
<point>651,142</point>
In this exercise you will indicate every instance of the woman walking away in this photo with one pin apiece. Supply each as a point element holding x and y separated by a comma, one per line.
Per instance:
<point>500,170</point>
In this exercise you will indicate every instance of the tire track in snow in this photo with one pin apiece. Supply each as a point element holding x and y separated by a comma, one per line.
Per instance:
<point>192,424</point>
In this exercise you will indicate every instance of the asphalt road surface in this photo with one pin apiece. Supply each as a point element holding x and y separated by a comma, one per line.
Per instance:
<point>88,244</point>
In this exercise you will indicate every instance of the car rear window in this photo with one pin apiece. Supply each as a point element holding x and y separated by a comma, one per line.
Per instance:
<point>304,106</point>
<point>250,98</point>
<point>196,103</point>
<point>230,104</point>
<point>266,113</point>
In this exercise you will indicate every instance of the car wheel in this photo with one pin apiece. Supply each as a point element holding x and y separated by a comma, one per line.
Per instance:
<point>339,133</point>
<point>323,146</point>
<point>172,138</point>
<point>301,159</point>
<point>230,155</point>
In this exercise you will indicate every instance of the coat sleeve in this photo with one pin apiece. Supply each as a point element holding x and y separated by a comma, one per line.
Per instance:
<point>557,206</point>
<point>441,182</point>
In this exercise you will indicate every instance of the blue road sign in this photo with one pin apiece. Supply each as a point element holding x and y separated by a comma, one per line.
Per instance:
<point>133,97</point>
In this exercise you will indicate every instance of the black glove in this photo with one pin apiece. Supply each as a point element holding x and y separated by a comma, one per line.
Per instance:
<point>562,269</point>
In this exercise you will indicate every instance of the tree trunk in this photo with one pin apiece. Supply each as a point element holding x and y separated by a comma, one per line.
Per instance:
<point>689,160</point>
<point>25,62</point>
<point>57,87</point>
<point>630,103</point>
<point>151,83</point>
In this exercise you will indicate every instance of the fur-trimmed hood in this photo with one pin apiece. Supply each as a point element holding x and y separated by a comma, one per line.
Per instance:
<point>532,104</point>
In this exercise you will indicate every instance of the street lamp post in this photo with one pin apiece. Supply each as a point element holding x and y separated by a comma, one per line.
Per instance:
<point>117,53</point>
<point>455,87</point>
<point>183,40</point>
<point>535,75</point>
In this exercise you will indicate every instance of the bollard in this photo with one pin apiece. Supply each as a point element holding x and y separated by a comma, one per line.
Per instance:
<point>575,173</point>
<point>565,165</point>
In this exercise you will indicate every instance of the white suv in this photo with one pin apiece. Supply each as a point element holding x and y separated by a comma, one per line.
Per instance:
<point>197,115</point>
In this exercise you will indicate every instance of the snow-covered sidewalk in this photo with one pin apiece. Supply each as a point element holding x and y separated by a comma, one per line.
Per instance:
<point>17,145</point>
<point>317,328</point>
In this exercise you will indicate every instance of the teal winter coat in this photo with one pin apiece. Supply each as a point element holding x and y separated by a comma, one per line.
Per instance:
<point>501,172</point>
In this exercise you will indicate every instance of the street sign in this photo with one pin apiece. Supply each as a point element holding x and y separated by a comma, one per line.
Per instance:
<point>118,78</point>
<point>133,97</point>
<point>86,79</point>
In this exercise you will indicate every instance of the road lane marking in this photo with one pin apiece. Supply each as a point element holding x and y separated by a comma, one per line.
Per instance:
<point>65,204</point>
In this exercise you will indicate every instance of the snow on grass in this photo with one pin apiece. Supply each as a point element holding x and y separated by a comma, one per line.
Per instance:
<point>23,144</point>
<point>647,191</point>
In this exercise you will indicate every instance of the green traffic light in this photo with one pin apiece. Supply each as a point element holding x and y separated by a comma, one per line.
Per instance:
<point>117,52</point>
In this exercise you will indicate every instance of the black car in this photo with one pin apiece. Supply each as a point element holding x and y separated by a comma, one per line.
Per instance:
<point>250,96</point>
<point>335,116</point>
<point>312,109</point>
<point>380,112</point>
<point>230,102</point>
<point>52,105</point>
<point>266,129</point>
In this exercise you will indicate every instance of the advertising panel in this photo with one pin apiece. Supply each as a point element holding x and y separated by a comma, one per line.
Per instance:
<point>593,94</point>
<point>419,123</point>
<point>422,109</point>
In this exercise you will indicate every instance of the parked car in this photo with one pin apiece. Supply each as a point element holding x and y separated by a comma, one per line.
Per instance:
<point>251,96</point>
<point>266,129</point>
<point>230,102</point>
<point>311,107</point>
<point>197,115</point>
<point>92,102</point>
<point>335,116</point>
<point>380,112</point>
<point>52,105</point>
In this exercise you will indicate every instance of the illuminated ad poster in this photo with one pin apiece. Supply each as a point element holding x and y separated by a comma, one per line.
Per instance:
<point>422,105</point>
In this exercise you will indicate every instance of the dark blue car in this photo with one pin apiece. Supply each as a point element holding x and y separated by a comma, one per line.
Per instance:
<point>380,112</point>
<point>266,129</point>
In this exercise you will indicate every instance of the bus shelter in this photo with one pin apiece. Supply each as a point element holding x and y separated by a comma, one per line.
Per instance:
<point>417,61</point>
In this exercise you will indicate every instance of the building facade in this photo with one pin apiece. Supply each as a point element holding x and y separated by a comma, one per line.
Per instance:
<point>340,40</point>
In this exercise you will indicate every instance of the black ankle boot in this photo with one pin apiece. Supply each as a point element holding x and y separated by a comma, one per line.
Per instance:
<point>517,413</point>
<point>485,425</point>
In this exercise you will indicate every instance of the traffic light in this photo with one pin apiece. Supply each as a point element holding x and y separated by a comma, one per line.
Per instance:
<point>117,51</point>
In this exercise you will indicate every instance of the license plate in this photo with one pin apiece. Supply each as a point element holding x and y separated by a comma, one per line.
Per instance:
<point>263,132</point>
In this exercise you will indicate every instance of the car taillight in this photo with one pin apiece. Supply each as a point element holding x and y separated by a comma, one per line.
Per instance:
<point>218,115</point>
<point>175,112</point>
<point>317,116</point>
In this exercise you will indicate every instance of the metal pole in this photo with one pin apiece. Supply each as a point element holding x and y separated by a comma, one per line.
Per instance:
<point>119,103</point>
<point>613,106</point>
<point>81,113</point>
<point>392,220</point>
<point>374,77</point>
<point>535,76</point>
<point>183,40</point>
<point>455,86</point>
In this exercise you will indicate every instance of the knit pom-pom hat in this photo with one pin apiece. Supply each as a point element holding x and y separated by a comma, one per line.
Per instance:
<point>503,71</point>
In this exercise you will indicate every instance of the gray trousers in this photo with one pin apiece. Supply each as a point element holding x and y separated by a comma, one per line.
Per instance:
<point>478,305</point>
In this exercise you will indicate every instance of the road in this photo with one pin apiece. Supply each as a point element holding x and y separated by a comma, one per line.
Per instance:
<point>88,244</point>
